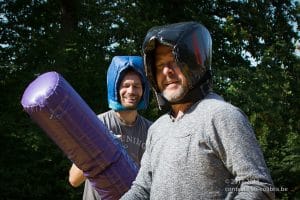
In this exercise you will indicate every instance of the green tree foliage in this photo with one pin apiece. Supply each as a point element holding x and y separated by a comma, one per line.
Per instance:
<point>254,67</point>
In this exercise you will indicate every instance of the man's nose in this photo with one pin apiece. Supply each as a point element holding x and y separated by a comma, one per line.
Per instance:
<point>168,68</point>
<point>130,89</point>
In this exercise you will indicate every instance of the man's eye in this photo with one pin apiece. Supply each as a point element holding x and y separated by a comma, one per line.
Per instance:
<point>125,86</point>
<point>160,67</point>
<point>170,64</point>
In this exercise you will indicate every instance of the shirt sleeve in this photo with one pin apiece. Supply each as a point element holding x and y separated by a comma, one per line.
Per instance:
<point>236,145</point>
<point>140,188</point>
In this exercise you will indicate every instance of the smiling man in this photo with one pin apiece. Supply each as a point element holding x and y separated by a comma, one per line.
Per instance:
<point>204,147</point>
<point>131,89</point>
<point>128,92</point>
<point>172,82</point>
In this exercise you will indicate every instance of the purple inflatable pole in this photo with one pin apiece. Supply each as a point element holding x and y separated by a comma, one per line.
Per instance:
<point>57,108</point>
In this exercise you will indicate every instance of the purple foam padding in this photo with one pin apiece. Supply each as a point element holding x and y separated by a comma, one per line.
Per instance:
<point>57,108</point>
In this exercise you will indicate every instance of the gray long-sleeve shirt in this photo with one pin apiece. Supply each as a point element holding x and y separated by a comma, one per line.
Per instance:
<point>209,153</point>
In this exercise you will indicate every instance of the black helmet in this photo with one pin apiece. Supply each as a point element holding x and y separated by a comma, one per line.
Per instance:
<point>192,49</point>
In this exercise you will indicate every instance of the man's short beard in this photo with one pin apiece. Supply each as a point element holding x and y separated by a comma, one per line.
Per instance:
<point>131,107</point>
<point>176,96</point>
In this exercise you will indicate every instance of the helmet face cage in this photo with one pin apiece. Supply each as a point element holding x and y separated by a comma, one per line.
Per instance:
<point>191,43</point>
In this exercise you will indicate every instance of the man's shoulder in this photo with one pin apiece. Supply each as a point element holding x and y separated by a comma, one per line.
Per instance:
<point>107,117</point>
<point>108,113</point>
<point>216,107</point>
<point>214,104</point>
<point>213,100</point>
<point>144,120</point>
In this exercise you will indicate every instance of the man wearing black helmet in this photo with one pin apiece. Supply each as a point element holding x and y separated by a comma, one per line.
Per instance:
<point>204,148</point>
